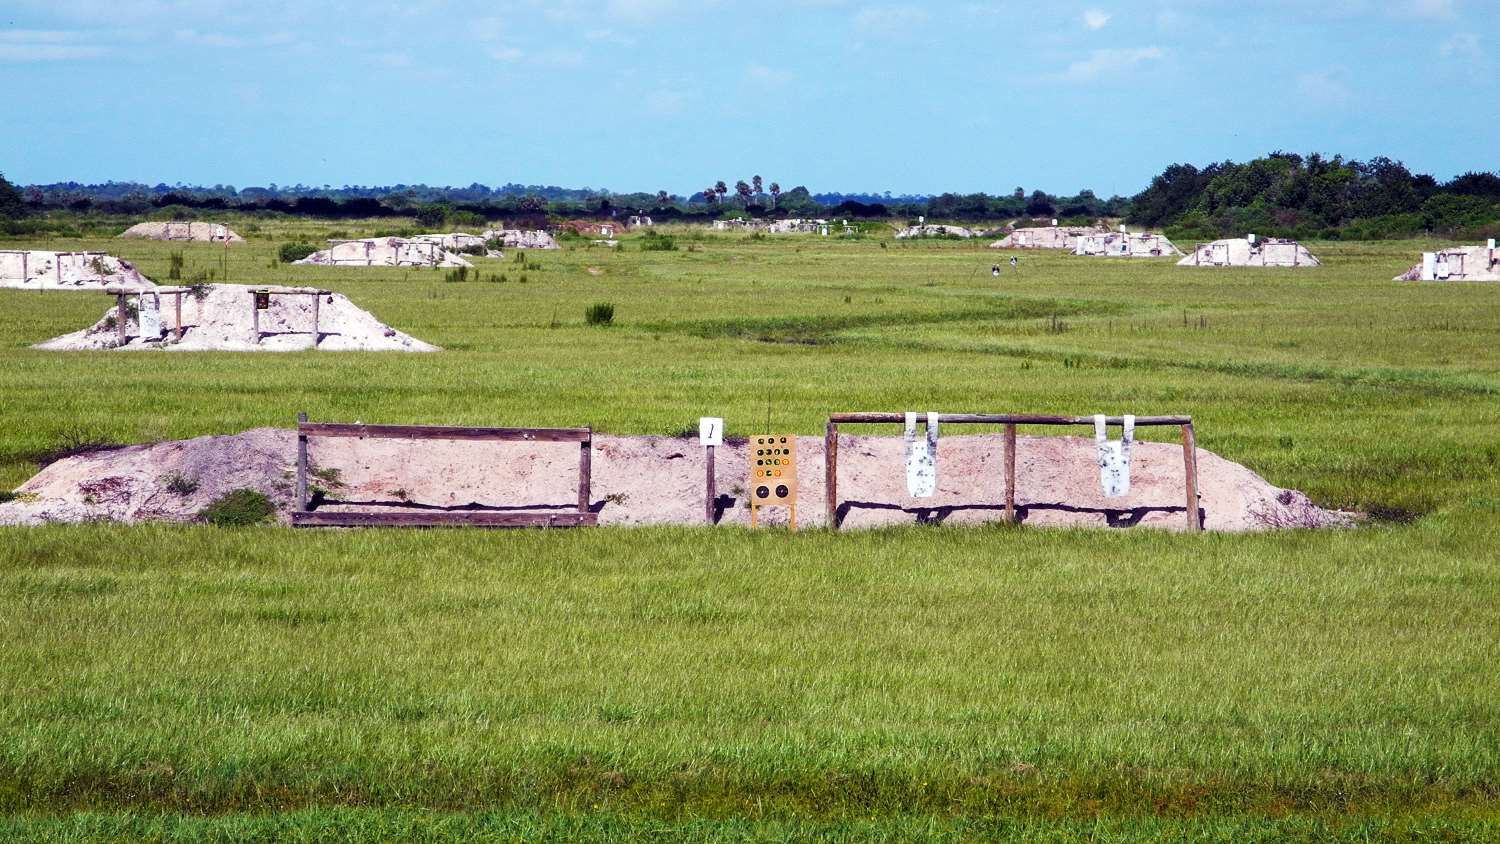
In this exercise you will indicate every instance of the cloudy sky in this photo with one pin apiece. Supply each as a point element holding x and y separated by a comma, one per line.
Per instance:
<point>673,94</point>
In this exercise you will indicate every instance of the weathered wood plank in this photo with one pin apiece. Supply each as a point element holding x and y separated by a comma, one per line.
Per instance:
<point>443,518</point>
<point>1010,471</point>
<point>1008,419</point>
<point>831,474</point>
<point>446,432</point>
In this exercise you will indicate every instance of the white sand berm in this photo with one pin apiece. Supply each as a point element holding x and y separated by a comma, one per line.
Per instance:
<point>218,317</point>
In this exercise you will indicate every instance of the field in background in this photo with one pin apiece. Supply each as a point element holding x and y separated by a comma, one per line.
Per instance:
<point>592,684</point>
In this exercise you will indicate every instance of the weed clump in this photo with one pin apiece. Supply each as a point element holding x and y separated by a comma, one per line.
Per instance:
<point>238,508</point>
<point>180,484</point>
<point>657,242</point>
<point>599,313</point>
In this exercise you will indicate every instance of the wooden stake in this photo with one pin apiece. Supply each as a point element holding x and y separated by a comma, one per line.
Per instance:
<point>317,298</point>
<point>1190,469</point>
<point>301,464</point>
<point>711,490</point>
<point>119,315</point>
<point>585,469</point>
<point>1010,471</point>
<point>831,474</point>
<point>177,331</point>
<point>255,317</point>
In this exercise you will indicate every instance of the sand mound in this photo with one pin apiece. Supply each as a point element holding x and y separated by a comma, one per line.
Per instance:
<point>385,252</point>
<point>1125,245</point>
<point>518,239</point>
<point>457,241</point>
<point>220,317</point>
<point>1244,252</point>
<point>934,231</point>
<point>1045,237</point>
<point>659,480</point>
<point>195,231</point>
<point>1457,263</point>
<point>35,270</point>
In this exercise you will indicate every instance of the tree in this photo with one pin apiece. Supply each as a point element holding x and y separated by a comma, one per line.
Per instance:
<point>743,190</point>
<point>720,188</point>
<point>711,194</point>
<point>755,184</point>
<point>662,199</point>
<point>12,203</point>
<point>775,193</point>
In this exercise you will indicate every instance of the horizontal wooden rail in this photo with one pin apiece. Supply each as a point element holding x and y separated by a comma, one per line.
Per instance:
<point>445,432</point>
<point>466,518</point>
<point>1008,419</point>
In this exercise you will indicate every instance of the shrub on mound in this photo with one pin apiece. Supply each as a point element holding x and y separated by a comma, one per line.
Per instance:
<point>237,508</point>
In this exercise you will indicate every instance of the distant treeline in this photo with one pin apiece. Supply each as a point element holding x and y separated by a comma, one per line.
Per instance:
<point>1282,194</point>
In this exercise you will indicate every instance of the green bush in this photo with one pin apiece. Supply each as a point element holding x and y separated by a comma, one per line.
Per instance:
<point>599,313</point>
<point>238,508</point>
<point>296,251</point>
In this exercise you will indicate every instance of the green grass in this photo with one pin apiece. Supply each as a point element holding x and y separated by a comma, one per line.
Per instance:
<point>192,683</point>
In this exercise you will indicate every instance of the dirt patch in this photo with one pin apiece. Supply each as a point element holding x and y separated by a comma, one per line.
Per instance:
<point>195,231</point>
<point>659,480</point>
<point>220,317</point>
<point>386,252</point>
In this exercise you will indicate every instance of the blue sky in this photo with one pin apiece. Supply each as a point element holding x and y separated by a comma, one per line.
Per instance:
<point>673,94</point>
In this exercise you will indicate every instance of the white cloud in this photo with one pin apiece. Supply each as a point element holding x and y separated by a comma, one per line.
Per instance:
<point>1111,62</point>
<point>608,36</point>
<point>1429,8</point>
<point>507,54</point>
<point>47,45</point>
<point>396,60</point>
<point>639,10</point>
<point>1463,45</point>
<point>1095,18</point>
<point>889,20</point>
<point>1321,89</point>
<point>220,40</point>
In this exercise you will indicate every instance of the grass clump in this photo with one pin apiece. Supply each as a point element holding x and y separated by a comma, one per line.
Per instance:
<point>239,508</point>
<point>179,484</point>
<point>599,313</point>
<point>653,241</point>
<point>291,252</point>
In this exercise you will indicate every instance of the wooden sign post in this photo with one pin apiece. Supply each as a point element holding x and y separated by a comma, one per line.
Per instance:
<point>711,435</point>
<point>773,474</point>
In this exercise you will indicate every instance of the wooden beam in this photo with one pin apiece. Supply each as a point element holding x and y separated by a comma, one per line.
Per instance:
<point>711,487</point>
<point>444,432</point>
<point>585,473</point>
<point>1190,471</point>
<point>120,317</point>
<point>177,330</point>
<point>301,465</point>
<point>831,473</point>
<point>1010,471</point>
<point>443,518</point>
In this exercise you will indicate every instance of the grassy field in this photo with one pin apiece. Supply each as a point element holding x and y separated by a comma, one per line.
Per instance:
<point>195,684</point>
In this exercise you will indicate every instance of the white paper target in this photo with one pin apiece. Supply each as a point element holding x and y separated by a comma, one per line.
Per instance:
<point>148,315</point>
<point>1113,457</point>
<point>921,457</point>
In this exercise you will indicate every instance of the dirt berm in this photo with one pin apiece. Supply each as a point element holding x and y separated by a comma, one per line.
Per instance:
<point>657,480</point>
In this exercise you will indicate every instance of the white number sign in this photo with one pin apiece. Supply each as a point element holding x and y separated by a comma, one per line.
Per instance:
<point>711,431</point>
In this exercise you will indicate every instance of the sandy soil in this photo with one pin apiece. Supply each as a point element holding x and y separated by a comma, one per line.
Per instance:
<point>522,239</point>
<point>660,480</point>
<point>386,252</point>
<point>221,320</point>
<point>194,231</point>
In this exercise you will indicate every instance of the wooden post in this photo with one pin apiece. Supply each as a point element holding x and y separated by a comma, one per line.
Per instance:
<point>120,316</point>
<point>301,465</point>
<point>1010,471</point>
<point>317,298</point>
<point>711,490</point>
<point>177,331</point>
<point>585,469</point>
<point>1190,469</point>
<point>831,474</point>
<point>255,316</point>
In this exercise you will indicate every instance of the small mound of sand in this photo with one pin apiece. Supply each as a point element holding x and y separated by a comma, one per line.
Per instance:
<point>660,480</point>
<point>194,231</point>
<point>220,317</point>
<point>519,239</point>
<point>386,252</point>
<point>456,241</point>
<point>934,231</point>
<point>37,270</point>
